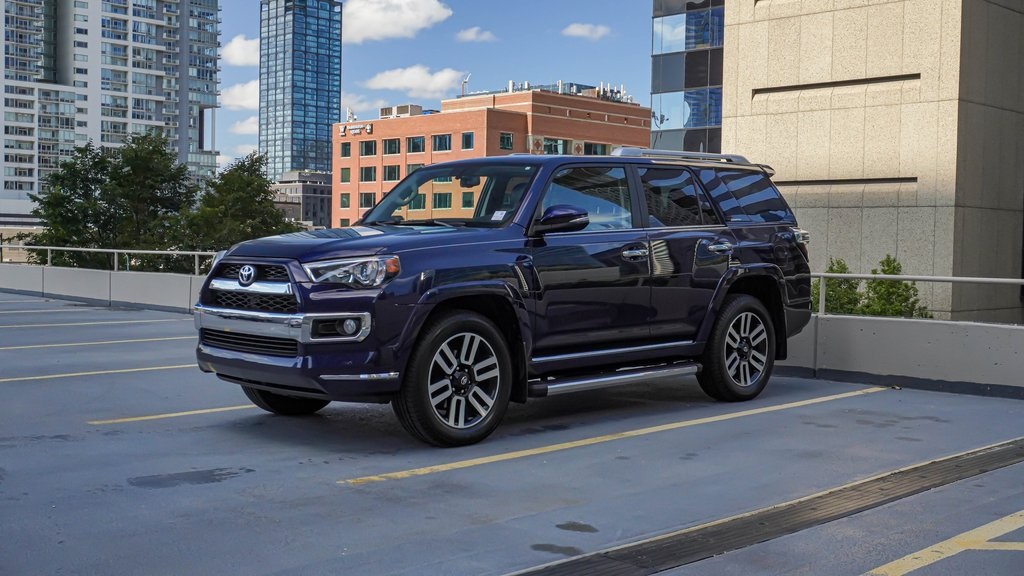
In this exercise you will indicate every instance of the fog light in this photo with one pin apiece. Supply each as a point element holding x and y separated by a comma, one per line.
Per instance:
<point>348,327</point>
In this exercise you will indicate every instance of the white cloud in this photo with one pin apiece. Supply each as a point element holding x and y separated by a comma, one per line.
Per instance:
<point>241,51</point>
<point>475,34</point>
<point>418,81</point>
<point>249,126</point>
<point>223,160</point>
<point>588,31</point>
<point>244,149</point>
<point>360,103</point>
<point>242,96</point>
<point>364,20</point>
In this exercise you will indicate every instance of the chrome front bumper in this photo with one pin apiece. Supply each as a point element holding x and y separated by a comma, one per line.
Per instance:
<point>294,326</point>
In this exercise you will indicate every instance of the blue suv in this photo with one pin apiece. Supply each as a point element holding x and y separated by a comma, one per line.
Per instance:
<point>547,275</point>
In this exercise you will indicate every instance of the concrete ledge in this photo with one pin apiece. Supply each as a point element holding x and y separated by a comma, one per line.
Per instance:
<point>77,283</point>
<point>148,289</point>
<point>22,278</point>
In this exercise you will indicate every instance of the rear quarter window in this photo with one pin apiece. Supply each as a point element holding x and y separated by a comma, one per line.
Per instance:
<point>745,195</point>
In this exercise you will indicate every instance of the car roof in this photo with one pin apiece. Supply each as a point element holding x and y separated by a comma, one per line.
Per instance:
<point>552,161</point>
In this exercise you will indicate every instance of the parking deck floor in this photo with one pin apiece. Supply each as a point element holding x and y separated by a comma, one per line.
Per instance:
<point>117,456</point>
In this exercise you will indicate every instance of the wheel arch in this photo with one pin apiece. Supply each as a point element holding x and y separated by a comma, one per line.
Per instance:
<point>767,284</point>
<point>499,303</point>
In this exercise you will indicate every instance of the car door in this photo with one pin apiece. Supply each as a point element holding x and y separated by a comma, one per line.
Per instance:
<point>592,282</point>
<point>690,250</point>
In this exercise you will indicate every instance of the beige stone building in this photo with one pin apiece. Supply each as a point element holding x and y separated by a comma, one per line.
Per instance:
<point>895,126</point>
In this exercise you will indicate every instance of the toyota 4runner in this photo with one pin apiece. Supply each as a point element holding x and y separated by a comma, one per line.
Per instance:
<point>547,275</point>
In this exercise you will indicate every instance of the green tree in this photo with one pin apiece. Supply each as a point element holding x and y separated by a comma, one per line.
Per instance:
<point>128,198</point>
<point>237,205</point>
<point>842,296</point>
<point>890,297</point>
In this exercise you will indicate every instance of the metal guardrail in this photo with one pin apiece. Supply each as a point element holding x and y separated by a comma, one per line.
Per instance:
<point>824,276</point>
<point>116,252</point>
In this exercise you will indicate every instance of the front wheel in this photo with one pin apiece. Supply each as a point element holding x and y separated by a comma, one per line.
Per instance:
<point>740,354</point>
<point>283,405</point>
<point>457,387</point>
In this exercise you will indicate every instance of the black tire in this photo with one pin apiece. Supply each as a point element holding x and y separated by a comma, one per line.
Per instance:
<point>283,405</point>
<point>456,388</point>
<point>734,351</point>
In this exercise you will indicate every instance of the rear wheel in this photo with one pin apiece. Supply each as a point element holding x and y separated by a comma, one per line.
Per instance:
<point>740,354</point>
<point>283,405</point>
<point>457,387</point>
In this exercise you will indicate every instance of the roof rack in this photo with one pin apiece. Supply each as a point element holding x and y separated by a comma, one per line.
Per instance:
<point>678,154</point>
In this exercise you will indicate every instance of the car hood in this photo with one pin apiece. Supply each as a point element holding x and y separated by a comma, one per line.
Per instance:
<point>359,241</point>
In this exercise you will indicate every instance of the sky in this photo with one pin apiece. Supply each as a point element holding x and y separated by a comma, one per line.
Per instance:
<point>419,51</point>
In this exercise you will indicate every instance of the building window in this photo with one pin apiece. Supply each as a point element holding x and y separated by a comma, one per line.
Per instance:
<point>345,201</point>
<point>556,146</point>
<point>414,145</point>
<point>392,146</point>
<point>467,140</point>
<point>419,202</point>
<point>368,174</point>
<point>591,149</point>
<point>442,200</point>
<point>343,222</point>
<point>392,173</point>
<point>468,199</point>
<point>410,168</point>
<point>366,199</point>
<point>368,148</point>
<point>346,175</point>
<point>346,150</point>
<point>505,141</point>
<point>689,31</point>
<point>441,142</point>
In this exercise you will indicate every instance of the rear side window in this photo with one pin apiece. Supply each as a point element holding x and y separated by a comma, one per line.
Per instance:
<point>746,196</point>
<point>674,199</point>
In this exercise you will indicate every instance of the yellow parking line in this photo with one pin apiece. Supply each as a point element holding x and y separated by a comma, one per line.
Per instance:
<point>95,323</point>
<point>72,344</point>
<point>51,311</point>
<point>170,415</point>
<point>597,440</point>
<point>977,539</point>
<point>96,373</point>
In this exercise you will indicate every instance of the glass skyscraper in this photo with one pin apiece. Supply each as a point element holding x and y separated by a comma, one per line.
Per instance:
<point>686,75</point>
<point>300,83</point>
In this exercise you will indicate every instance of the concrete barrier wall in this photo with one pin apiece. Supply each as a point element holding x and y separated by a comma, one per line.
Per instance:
<point>898,350</point>
<point>144,289</point>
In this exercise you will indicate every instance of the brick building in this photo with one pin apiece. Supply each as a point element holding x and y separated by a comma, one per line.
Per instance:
<point>370,157</point>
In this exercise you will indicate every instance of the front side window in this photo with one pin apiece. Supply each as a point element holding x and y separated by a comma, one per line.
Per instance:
<point>600,190</point>
<point>392,146</point>
<point>414,144</point>
<point>505,141</point>
<point>441,142</point>
<point>673,198</point>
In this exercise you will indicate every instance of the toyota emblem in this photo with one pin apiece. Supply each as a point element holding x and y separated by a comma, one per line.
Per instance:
<point>246,275</point>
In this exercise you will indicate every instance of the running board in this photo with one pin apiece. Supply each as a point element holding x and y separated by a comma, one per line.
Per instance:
<point>565,385</point>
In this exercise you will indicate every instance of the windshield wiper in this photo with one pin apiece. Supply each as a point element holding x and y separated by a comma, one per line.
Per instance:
<point>400,222</point>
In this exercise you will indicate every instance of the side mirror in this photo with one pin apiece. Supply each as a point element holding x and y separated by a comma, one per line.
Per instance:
<point>561,218</point>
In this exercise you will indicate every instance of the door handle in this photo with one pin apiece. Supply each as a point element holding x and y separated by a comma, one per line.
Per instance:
<point>722,248</point>
<point>635,253</point>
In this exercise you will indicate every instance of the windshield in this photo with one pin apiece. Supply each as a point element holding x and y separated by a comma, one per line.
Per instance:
<point>457,194</point>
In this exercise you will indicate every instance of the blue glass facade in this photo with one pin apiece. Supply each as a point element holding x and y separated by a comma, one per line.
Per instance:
<point>300,83</point>
<point>686,75</point>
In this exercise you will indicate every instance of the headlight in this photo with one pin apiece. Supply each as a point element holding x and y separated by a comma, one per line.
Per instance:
<point>370,272</point>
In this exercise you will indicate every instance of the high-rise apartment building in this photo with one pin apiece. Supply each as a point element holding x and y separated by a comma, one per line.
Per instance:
<point>300,83</point>
<point>76,71</point>
<point>894,127</point>
<point>686,75</point>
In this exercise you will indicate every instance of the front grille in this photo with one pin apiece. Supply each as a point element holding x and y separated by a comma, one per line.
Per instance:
<point>281,303</point>
<point>249,343</point>
<point>266,272</point>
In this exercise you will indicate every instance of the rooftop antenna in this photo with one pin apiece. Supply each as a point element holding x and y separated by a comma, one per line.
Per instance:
<point>465,81</point>
<point>350,116</point>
